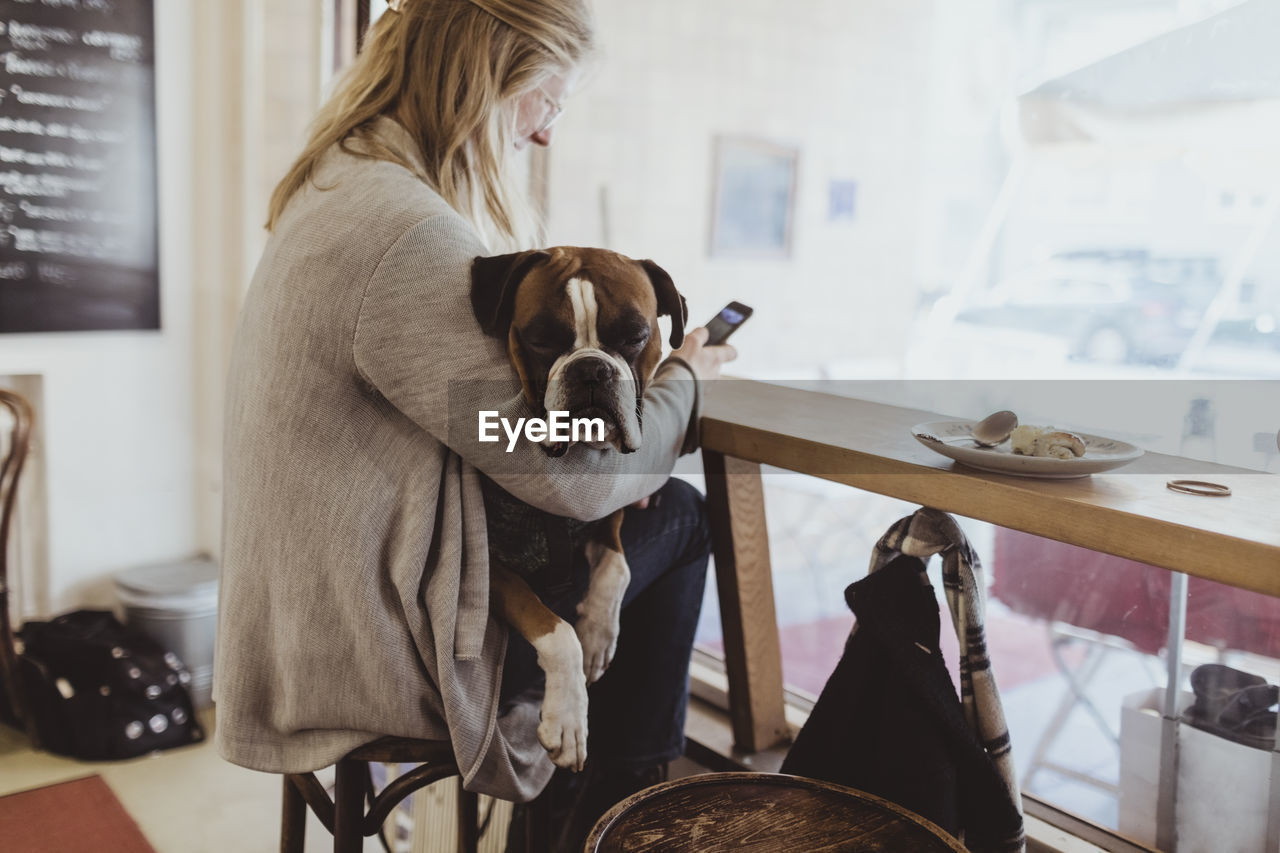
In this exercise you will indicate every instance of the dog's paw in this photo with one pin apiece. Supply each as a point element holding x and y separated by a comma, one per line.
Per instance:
<point>563,728</point>
<point>599,639</point>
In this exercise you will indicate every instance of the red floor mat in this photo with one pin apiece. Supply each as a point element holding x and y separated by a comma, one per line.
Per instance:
<point>81,816</point>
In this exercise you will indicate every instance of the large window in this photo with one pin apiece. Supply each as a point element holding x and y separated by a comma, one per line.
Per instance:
<point>1001,187</point>
<point>1021,190</point>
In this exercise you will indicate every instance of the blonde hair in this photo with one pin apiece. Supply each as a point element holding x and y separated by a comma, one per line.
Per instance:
<point>450,72</point>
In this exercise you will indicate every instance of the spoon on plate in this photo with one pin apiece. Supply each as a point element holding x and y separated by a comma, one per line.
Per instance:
<point>994,429</point>
<point>991,431</point>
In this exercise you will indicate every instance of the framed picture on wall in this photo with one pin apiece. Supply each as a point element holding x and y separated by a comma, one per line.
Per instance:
<point>753,198</point>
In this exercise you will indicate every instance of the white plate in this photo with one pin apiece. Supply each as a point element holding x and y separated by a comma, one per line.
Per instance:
<point>951,439</point>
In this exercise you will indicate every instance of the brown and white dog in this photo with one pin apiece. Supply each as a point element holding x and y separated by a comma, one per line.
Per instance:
<point>581,328</point>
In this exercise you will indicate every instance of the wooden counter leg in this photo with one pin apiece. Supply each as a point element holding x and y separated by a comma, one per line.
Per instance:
<point>744,581</point>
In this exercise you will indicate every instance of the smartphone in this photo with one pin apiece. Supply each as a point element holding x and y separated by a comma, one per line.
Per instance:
<point>727,322</point>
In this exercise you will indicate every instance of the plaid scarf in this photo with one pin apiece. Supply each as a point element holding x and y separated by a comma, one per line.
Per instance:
<point>922,534</point>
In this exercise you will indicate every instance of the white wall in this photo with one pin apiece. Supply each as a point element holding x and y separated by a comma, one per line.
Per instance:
<point>847,83</point>
<point>132,421</point>
<point>117,413</point>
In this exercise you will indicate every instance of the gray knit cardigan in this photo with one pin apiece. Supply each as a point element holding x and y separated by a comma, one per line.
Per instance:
<point>354,600</point>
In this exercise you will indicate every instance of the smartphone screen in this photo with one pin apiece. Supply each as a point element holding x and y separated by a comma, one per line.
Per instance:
<point>727,322</point>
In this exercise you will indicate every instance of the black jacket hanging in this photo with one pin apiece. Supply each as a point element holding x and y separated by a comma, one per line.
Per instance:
<point>889,721</point>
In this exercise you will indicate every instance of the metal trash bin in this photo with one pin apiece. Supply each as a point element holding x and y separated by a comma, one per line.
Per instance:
<point>176,604</point>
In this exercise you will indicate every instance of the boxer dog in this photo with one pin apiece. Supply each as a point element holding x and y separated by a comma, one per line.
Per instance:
<point>581,328</point>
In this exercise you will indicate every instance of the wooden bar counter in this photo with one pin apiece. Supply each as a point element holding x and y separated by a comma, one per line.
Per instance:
<point>1127,512</point>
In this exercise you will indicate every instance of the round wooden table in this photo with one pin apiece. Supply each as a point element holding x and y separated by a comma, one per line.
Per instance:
<point>761,812</point>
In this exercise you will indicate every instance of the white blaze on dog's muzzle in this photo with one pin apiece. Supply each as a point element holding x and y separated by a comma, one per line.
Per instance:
<point>590,380</point>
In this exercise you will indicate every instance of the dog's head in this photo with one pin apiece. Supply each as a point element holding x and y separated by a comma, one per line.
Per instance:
<point>581,326</point>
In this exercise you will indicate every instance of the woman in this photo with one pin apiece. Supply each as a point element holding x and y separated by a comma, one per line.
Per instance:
<point>355,588</point>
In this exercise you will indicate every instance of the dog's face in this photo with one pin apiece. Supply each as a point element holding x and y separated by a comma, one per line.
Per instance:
<point>581,327</point>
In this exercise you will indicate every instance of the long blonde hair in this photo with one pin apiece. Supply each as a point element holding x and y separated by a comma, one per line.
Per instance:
<point>450,71</point>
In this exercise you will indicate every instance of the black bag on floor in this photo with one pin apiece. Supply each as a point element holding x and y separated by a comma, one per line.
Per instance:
<point>99,690</point>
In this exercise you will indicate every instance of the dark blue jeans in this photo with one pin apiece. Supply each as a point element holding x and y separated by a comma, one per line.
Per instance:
<point>637,709</point>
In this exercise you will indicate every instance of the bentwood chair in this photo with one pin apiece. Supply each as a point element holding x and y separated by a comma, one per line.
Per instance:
<point>15,445</point>
<point>356,811</point>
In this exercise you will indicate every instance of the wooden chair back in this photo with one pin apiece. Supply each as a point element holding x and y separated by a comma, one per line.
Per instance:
<point>15,447</point>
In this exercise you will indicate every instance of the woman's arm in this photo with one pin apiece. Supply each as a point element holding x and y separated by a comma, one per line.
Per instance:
<point>418,344</point>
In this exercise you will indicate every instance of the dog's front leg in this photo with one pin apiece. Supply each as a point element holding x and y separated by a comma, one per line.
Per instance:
<point>563,727</point>
<point>600,611</point>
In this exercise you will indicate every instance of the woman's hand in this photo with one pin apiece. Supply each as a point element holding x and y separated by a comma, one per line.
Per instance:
<point>705,361</point>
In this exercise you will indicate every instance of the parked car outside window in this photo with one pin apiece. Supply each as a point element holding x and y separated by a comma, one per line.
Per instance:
<point>1102,316</point>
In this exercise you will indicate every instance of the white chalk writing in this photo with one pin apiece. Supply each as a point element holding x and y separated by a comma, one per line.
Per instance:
<point>50,158</point>
<point>50,186</point>
<point>66,102</point>
<point>58,130</point>
<point>35,37</point>
<point>47,242</point>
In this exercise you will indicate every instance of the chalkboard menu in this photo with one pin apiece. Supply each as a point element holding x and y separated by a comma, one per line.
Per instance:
<point>77,166</point>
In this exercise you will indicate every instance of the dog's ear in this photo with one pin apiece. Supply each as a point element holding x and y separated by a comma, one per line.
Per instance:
<point>670,302</point>
<point>516,353</point>
<point>494,282</point>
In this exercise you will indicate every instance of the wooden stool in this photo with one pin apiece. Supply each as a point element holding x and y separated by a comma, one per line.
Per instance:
<point>346,816</point>
<point>744,812</point>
